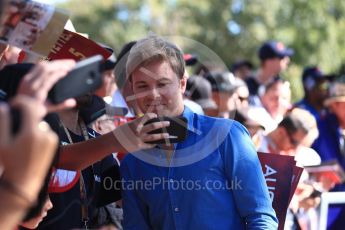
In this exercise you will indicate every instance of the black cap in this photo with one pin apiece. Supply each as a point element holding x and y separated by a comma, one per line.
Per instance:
<point>240,64</point>
<point>110,63</point>
<point>273,49</point>
<point>314,73</point>
<point>190,59</point>
<point>199,90</point>
<point>98,108</point>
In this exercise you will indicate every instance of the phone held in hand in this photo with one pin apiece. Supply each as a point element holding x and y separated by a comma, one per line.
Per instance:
<point>85,77</point>
<point>177,129</point>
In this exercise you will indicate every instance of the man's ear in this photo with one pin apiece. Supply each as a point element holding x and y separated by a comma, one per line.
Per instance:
<point>97,126</point>
<point>183,84</point>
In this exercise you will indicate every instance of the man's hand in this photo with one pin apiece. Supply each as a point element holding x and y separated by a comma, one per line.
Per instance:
<point>134,136</point>
<point>42,78</point>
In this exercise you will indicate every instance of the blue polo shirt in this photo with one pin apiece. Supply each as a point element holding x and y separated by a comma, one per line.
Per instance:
<point>213,181</point>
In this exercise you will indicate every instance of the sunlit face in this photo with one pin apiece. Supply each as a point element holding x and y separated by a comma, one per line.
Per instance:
<point>277,65</point>
<point>277,99</point>
<point>158,89</point>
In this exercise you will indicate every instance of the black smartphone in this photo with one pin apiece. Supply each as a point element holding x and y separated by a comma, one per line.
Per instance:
<point>177,129</point>
<point>85,77</point>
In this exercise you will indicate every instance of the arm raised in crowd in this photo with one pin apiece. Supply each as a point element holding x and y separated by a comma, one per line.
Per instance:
<point>25,157</point>
<point>129,137</point>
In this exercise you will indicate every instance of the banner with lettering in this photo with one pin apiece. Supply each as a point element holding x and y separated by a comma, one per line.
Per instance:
<point>282,176</point>
<point>32,26</point>
<point>72,45</point>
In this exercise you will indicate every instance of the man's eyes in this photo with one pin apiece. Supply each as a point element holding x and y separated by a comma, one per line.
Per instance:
<point>141,86</point>
<point>159,85</point>
<point>162,84</point>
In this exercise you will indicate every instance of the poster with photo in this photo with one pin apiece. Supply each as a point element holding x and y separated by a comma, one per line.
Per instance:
<point>32,26</point>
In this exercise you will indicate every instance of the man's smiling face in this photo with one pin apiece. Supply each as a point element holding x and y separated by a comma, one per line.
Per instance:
<point>158,89</point>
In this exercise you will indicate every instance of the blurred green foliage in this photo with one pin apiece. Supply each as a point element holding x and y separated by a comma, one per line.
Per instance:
<point>233,29</point>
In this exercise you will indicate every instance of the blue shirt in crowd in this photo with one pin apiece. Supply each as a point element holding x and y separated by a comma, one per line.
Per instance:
<point>304,104</point>
<point>328,146</point>
<point>213,181</point>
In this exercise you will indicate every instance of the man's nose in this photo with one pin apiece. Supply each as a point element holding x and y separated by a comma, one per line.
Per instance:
<point>154,93</point>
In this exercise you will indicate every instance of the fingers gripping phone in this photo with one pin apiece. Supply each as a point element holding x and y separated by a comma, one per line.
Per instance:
<point>177,129</point>
<point>85,77</point>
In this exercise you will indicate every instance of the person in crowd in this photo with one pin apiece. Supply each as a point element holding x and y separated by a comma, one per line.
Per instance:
<point>252,118</point>
<point>287,139</point>
<point>100,117</point>
<point>108,87</point>
<point>191,60</point>
<point>289,133</point>
<point>120,96</point>
<point>155,69</point>
<point>199,90</point>
<point>330,143</point>
<point>242,69</point>
<point>275,100</point>
<point>315,85</point>
<point>274,58</point>
<point>88,185</point>
<point>224,86</point>
<point>242,95</point>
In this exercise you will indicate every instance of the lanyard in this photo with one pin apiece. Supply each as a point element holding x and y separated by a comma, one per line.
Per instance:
<point>82,188</point>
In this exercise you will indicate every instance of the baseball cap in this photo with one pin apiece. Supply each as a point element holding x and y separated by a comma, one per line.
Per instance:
<point>272,49</point>
<point>190,59</point>
<point>110,63</point>
<point>314,73</point>
<point>336,93</point>
<point>241,63</point>
<point>199,90</point>
<point>224,81</point>
<point>98,108</point>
